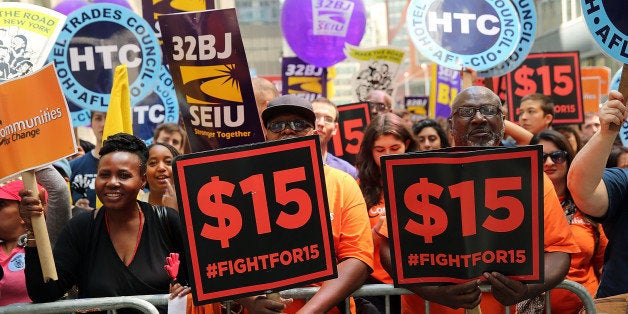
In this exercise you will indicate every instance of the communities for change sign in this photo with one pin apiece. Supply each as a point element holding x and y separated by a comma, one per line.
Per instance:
<point>352,120</point>
<point>35,127</point>
<point>454,215</point>
<point>256,218</point>
<point>93,41</point>
<point>211,76</point>
<point>479,34</point>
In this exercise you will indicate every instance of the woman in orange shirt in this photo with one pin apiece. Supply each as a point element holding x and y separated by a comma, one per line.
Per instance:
<point>586,266</point>
<point>385,135</point>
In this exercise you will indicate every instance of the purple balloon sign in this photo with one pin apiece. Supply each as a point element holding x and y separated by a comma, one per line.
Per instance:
<point>318,30</point>
<point>68,6</point>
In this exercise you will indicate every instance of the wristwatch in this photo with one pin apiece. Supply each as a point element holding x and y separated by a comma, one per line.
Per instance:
<point>22,240</point>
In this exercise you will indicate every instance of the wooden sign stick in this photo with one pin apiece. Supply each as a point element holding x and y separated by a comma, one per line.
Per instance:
<point>44,249</point>
<point>623,89</point>
<point>469,76</point>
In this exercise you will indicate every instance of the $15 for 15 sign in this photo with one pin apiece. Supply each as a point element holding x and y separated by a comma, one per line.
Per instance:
<point>256,218</point>
<point>454,215</point>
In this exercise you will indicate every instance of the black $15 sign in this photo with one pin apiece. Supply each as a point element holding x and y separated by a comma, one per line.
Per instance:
<point>213,195</point>
<point>555,74</point>
<point>417,199</point>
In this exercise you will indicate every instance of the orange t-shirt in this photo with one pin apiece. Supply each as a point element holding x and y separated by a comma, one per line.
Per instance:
<point>583,265</point>
<point>349,223</point>
<point>379,273</point>
<point>557,238</point>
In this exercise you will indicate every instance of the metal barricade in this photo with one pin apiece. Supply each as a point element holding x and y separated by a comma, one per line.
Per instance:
<point>91,304</point>
<point>146,303</point>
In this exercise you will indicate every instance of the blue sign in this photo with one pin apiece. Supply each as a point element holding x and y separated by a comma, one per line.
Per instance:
<point>80,116</point>
<point>607,23</point>
<point>527,18</point>
<point>615,80</point>
<point>94,40</point>
<point>159,107</point>
<point>479,34</point>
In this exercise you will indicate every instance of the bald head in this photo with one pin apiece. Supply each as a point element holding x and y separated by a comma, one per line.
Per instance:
<point>476,118</point>
<point>264,91</point>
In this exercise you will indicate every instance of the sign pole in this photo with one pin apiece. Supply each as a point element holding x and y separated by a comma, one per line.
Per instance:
<point>623,89</point>
<point>44,249</point>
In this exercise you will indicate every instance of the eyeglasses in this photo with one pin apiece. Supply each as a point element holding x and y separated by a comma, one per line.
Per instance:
<point>379,107</point>
<point>557,156</point>
<point>296,125</point>
<point>325,119</point>
<point>486,110</point>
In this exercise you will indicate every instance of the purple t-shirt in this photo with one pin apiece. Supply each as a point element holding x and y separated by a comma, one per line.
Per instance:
<point>341,164</point>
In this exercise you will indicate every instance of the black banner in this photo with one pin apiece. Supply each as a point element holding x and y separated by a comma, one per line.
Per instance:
<point>454,215</point>
<point>256,218</point>
<point>556,74</point>
<point>352,120</point>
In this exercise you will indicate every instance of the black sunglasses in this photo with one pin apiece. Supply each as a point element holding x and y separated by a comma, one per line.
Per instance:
<point>486,110</point>
<point>557,156</point>
<point>296,125</point>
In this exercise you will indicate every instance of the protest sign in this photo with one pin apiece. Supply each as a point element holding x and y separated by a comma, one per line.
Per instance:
<point>352,120</point>
<point>477,34</point>
<point>151,9</point>
<point>444,86</point>
<point>453,215</point>
<point>418,106</point>
<point>556,74</point>
<point>158,107</point>
<point>256,218</point>
<point>35,128</point>
<point>95,39</point>
<point>378,69</point>
<point>211,76</point>
<point>304,79</point>
<point>27,34</point>
<point>527,18</point>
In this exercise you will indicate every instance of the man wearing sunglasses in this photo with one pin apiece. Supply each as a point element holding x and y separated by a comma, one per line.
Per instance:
<point>291,116</point>
<point>601,193</point>
<point>477,120</point>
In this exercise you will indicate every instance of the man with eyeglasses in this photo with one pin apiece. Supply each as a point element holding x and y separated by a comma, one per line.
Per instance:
<point>291,116</point>
<point>379,102</point>
<point>326,127</point>
<point>601,192</point>
<point>477,120</point>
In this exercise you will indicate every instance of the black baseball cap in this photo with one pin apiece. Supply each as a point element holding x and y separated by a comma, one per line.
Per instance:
<point>289,104</point>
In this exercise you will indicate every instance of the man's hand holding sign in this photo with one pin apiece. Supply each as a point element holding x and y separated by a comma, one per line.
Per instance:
<point>472,211</point>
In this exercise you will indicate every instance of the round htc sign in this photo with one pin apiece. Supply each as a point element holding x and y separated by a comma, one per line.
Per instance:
<point>479,34</point>
<point>607,23</point>
<point>93,41</point>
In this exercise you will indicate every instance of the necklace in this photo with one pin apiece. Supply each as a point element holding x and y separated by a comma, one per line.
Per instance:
<point>139,232</point>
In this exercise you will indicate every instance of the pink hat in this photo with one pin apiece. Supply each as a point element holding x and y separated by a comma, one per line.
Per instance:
<point>10,191</point>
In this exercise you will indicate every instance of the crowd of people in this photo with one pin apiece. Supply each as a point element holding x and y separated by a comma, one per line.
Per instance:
<point>120,247</point>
